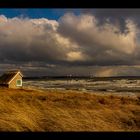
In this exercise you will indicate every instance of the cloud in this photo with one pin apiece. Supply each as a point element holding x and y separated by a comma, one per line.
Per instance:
<point>73,40</point>
<point>96,41</point>
<point>116,16</point>
<point>34,40</point>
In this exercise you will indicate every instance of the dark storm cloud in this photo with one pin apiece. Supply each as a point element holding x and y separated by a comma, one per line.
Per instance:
<point>72,40</point>
<point>78,41</point>
<point>101,45</point>
<point>116,13</point>
<point>115,16</point>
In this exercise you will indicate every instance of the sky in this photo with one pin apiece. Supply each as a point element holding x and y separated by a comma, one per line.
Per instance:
<point>80,42</point>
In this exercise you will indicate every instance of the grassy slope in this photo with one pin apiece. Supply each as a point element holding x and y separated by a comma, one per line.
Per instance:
<point>29,110</point>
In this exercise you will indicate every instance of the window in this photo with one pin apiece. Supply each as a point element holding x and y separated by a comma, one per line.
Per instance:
<point>19,82</point>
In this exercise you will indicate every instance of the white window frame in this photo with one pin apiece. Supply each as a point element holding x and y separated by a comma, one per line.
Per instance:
<point>20,84</point>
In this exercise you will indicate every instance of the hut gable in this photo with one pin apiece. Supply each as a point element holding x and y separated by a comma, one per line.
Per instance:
<point>11,79</point>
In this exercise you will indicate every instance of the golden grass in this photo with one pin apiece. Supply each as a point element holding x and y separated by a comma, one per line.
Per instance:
<point>32,110</point>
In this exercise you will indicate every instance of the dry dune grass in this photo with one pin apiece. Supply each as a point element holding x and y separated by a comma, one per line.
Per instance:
<point>32,110</point>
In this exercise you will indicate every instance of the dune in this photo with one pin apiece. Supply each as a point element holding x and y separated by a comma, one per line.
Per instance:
<point>56,110</point>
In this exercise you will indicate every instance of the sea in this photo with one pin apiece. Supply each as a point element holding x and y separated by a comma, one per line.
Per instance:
<point>117,85</point>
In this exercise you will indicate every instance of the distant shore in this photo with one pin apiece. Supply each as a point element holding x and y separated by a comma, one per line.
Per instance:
<point>71,110</point>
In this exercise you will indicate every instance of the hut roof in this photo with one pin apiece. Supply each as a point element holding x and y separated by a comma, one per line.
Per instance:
<point>7,77</point>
